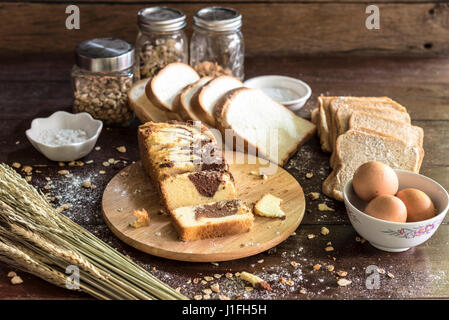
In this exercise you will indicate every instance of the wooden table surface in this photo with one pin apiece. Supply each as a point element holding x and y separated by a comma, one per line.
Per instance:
<point>37,86</point>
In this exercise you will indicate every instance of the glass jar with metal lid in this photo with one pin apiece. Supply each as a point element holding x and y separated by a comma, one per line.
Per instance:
<point>217,45</point>
<point>101,78</point>
<point>161,39</point>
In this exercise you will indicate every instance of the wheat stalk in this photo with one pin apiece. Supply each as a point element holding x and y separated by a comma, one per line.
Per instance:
<point>38,239</point>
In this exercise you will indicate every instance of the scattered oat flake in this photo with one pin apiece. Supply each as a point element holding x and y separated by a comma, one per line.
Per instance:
<point>344,282</point>
<point>228,275</point>
<point>381,271</point>
<point>198,297</point>
<point>249,289</point>
<point>207,291</point>
<point>111,160</point>
<point>324,231</point>
<point>314,195</point>
<point>309,175</point>
<point>255,281</point>
<point>11,274</point>
<point>294,263</point>
<point>310,236</point>
<point>28,178</point>
<point>178,289</point>
<point>217,276</point>
<point>203,282</point>
<point>16,280</point>
<point>102,172</point>
<point>196,280</point>
<point>302,291</point>
<point>16,165</point>
<point>329,248</point>
<point>27,169</point>
<point>260,261</point>
<point>290,282</point>
<point>87,184</point>
<point>208,278</point>
<point>221,297</point>
<point>17,142</point>
<point>215,264</point>
<point>121,149</point>
<point>342,273</point>
<point>324,207</point>
<point>98,148</point>
<point>390,275</point>
<point>63,172</point>
<point>215,287</point>
<point>106,164</point>
<point>317,267</point>
<point>330,268</point>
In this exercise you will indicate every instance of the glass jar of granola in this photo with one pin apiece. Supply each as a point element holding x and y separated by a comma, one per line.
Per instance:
<point>161,39</point>
<point>101,77</point>
<point>217,46</point>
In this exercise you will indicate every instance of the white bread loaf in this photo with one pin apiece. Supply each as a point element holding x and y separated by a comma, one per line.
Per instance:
<point>263,124</point>
<point>163,89</point>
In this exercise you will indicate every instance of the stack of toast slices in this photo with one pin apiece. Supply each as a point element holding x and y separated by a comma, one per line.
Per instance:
<point>361,129</point>
<point>251,120</point>
<point>193,179</point>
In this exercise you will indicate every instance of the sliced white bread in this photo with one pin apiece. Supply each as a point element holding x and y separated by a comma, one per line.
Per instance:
<point>355,148</point>
<point>210,95</point>
<point>144,109</point>
<point>163,89</point>
<point>354,102</point>
<point>413,135</point>
<point>184,106</point>
<point>344,112</point>
<point>264,125</point>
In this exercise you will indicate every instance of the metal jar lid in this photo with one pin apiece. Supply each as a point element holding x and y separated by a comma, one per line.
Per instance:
<point>161,19</point>
<point>218,19</point>
<point>104,55</point>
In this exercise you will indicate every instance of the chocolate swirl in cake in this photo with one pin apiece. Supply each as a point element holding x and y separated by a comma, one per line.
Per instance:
<point>217,209</point>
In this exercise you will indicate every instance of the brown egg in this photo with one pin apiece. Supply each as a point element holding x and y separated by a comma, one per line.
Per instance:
<point>419,205</point>
<point>374,179</point>
<point>387,207</point>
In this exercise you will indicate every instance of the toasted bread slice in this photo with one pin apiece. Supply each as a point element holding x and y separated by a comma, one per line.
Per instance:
<point>354,103</point>
<point>274,131</point>
<point>184,106</point>
<point>211,93</point>
<point>163,89</point>
<point>216,219</point>
<point>344,112</point>
<point>143,107</point>
<point>412,135</point>
<point>356,147</point>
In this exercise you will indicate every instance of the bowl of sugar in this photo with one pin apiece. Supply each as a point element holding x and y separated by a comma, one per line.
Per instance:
<point>64,136</point>
<point>290,92</point>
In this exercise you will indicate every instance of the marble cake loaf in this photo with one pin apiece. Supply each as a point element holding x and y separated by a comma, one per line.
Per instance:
<point>185,164</point>
<point>188,169</point>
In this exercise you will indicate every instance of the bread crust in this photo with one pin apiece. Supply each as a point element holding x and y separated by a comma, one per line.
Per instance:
<point>149,88</point>
<point>207,231</point>
<point>222,125</point>
<point>209,118</point>
<point>188,113</point>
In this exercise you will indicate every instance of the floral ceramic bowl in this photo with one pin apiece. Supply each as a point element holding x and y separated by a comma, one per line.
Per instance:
<point>396,236</point>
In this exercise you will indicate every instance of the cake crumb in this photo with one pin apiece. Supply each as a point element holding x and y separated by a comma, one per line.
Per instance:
<point>16,280</point>
<point>121,149</point>
<point>317,267</point>
<point>324,207</point>
<point>302,291</point>
<point>143,220</point>
<point>342,273</point>
<point>344,282</point>
<point>324,231</point>
<point>314,195</point>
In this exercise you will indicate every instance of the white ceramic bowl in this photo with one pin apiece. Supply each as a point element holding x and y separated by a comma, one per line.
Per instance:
<point>290,92</point>
<point>395,236</point>
<point>65,120</point>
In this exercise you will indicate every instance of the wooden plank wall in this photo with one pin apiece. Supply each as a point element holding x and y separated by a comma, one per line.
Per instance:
<point>271,28</point>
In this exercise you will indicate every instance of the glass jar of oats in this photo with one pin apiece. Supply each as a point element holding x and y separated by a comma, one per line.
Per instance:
<point>161,39</point>
<point>103,73</point>
<point>217,46</point>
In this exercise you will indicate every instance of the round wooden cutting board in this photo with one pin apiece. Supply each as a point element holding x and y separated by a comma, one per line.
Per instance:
<point>131,189</point>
